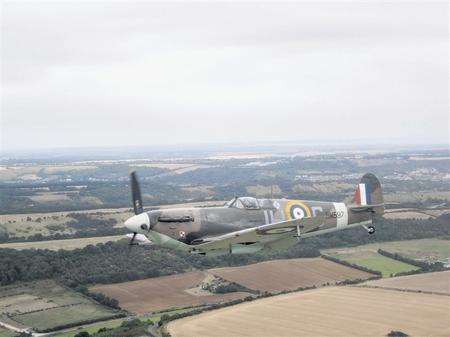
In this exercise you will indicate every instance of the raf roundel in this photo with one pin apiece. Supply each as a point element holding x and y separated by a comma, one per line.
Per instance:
<point>297,210</point>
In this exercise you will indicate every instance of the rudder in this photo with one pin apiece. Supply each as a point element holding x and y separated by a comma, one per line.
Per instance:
<point>368,193</point>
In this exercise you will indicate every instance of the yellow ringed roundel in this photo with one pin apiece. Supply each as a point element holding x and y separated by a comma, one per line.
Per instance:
<point>296,209</point>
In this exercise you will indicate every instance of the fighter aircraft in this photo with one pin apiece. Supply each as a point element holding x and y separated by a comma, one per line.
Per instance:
<point>246,224</point>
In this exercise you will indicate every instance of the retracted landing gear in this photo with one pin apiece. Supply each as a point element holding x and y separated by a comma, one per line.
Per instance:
<point>369,229</point>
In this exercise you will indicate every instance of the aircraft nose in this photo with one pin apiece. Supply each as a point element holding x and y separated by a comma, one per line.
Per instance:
<point>138,223</point>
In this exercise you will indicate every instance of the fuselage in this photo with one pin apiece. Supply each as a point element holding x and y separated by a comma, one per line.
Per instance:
<point>192,225</point>
<point>246,224</point>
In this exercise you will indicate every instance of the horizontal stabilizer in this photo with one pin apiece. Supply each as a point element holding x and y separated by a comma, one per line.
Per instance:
<point>367,208</point>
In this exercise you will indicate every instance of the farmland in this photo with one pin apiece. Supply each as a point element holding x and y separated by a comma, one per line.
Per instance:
<point>44,305</point>
<point>49,319</point>
<point>165,292</point>
<point>67,244</point>
<point>73,183</point>
<point>74,199</point>
<point>427,250</point>
<point>329,311</point>
<point>26,225</point>
<point>6,333</point>
<point>279,275</point>
<point>377,262</point>
<point>413,213</point>
<point>431,250</point>
<point>183,290</point>
<point>91,328</point>
<point>437,282</point>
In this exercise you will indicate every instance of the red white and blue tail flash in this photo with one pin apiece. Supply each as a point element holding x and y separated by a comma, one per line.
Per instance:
<point>363,194</point>
<point>368,193</point>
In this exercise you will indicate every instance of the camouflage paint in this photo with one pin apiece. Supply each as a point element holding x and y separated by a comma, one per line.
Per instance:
<point>187,227</point>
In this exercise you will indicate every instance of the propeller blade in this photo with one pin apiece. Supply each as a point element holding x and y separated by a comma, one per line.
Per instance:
<point>132,240</point>
<point>136,194</point>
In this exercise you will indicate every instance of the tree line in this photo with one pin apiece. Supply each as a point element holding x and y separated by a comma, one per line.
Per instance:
<point>114,262</point>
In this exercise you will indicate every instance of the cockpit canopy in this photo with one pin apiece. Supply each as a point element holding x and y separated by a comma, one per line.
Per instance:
<point>244,203</point>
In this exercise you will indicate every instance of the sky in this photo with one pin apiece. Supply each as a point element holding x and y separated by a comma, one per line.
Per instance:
<point>101,74</point>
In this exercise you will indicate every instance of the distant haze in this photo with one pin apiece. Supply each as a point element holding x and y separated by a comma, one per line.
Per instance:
<point>120,74</point>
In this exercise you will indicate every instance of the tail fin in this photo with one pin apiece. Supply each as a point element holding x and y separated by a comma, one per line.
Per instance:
<point>368,193</point>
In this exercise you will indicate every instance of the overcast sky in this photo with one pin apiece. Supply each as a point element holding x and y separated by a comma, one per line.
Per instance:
<point>117,74</point>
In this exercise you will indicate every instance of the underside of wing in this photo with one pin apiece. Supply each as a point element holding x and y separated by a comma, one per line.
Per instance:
<point>253,239</point>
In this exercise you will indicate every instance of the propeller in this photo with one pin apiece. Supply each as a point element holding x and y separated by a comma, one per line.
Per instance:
<point>136,194</point>
<point>139,239</point>
<point>136,199</point>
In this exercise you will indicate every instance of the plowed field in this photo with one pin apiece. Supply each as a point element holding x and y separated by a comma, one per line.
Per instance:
<point>160,293</point>
<point>279,275</point>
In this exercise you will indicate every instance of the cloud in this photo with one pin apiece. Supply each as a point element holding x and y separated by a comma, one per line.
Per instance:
<point>100,74</point>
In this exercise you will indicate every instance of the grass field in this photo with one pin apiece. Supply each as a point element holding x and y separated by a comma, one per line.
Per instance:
<point>54,317</point>
<point>377,262</point>
<point>429,250</point>
<point>423,249</point>
<point>114,323</point>
<point>328,311</point>
<point>91,328</point>
<point>45,305</point>
<point>279,275</point>
<point>438,282</point>
<point>7,333</point>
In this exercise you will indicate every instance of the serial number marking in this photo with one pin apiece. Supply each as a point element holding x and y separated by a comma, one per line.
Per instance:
<point>337,214</point>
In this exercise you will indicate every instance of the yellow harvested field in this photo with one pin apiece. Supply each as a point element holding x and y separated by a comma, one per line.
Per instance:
<point>68,244</point>
<point>438,282</point>
<point>291,274</point>
<point>329,311</point>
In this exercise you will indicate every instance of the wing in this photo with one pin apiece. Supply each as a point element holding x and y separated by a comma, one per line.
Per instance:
<point>257,236</point>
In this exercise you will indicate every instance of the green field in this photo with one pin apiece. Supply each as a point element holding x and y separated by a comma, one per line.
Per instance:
<point>430,250</point>
<point>51,318</point>
<point>92,328</point>
<point>377,262</point>
<point>7,333</point>
<point>44,305</point>
<point>114,323</point>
